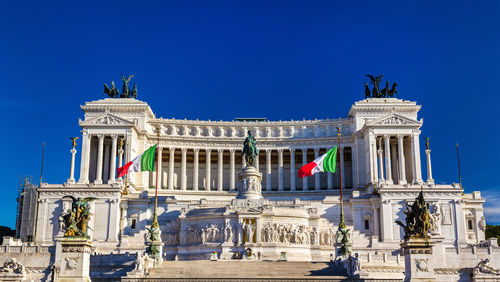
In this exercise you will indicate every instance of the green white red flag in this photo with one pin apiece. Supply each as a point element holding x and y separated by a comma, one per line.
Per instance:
<point>326,163</point>
<point>143,162</point>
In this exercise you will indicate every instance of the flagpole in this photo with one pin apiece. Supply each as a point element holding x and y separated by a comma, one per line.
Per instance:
<point>125,191</point>
<point>342,224</point>
<point>155,217</point>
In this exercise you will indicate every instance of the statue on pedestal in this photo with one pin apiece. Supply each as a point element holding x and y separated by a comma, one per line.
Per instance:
<point>417,219</point>
<point>76,219</point>
<point>250,151</point>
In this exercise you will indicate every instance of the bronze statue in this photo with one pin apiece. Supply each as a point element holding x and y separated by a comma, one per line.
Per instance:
<point>375,81</point>
<point>125,89</point>
<point>77,218</point>
<point>427,142</point>
<point>112,92</point>
<point>367,91</point>
<point>417,219</point>
<point>133,94</point>
<point>385,91</point>
<point>250,150</point>
<point>393,90</point>
<point>73,141</point>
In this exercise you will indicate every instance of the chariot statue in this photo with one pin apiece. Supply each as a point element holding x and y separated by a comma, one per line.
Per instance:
<point>112,91</point>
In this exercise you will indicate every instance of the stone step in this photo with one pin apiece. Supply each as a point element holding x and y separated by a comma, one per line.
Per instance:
<point>241,269</point>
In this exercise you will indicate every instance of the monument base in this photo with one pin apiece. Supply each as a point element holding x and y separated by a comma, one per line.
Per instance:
<point>250,186</point>
<point>419,264</point>
<point>73,259</point>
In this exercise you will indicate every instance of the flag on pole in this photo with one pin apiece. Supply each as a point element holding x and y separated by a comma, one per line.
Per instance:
<point>143,162</point>
<point>325,162</point>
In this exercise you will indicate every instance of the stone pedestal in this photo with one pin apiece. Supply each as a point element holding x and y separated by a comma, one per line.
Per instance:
<point>250,183</point>
<point>73,259</point>
<point>419,264</point>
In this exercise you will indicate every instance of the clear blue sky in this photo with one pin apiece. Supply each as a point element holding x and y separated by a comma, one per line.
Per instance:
<point>225,59</point>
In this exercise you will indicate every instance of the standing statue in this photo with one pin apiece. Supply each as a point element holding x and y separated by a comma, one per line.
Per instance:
<point>367,91</point>
<point>376,82</point>
<point>133,94</point>
<point>250,150</point>
<point>73,141</point>
<point>393,90</point>
<point>125,89</point>
<point>76,220</point>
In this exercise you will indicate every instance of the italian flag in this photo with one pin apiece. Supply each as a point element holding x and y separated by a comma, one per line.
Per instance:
<point>143,162</point>
<point>325,162</point>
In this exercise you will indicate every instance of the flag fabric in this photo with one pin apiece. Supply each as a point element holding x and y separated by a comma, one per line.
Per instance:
<point>326,163</point>
<point>143,162</point>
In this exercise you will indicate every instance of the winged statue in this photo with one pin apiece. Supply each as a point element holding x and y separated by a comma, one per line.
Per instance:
<point>73,141</point>
<point>111,91</point>
<point>125,89</point>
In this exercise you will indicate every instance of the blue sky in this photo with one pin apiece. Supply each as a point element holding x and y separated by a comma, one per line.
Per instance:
<point>226,59</point>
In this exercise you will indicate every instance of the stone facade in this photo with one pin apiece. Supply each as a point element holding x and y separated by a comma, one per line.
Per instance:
<point>199,175</point>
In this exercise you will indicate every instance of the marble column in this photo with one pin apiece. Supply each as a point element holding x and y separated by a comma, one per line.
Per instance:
<point>268,170</point>
<point>304,162</point>
<point>280,170</point>
<point>317,184</point>
<point>72,167</point>
<point>112,170</point>
<point>183,168</point>
<point>208,169</point>
<point>394,163</point>
<point>292,170</point>
<point>402,169</point>
<point>381,164</point>
<point>257,162</point>
<point>388,168</point>
<point>171,163</point>
<point>243,162</point>
<point>220,169</point>
<point>196,155</point>
<point>416,158</point>
<point>232,172</point>
<point>85,161</point>
<point>100,149</point>
<point>430,180</point>
<point>106,162</point>
<point>329,179</point>
<point>159,167</point>
<point>376,218</point>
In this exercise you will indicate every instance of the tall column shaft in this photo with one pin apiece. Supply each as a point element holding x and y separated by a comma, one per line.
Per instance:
<point>401,154</point>
<point>280,169</point>
<point>317,184</point>
<point>105,175</point>
<point>171,162</point>
<point>292,170</point>
<point>196,155</point>
<point>381,164</point>
<point>371,161</point>
<point>100,149</point>
<point>388,167</point>
<point>430,180</point>
<point>183,169</point>
<point>72,167</point>
<point>220,169</point>
<point>376,219</point>
<point>208,169</point>
<point>268,169</point>
<point>85,161</point>
<point>304,162</point>
<point>394,163</point>
<point>416,158</point>
<point>257,162</point>
<point>232,172</point>
<point>112,170</point>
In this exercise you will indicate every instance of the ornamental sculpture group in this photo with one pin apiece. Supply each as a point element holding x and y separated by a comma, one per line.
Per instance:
<point>376,92</point>
<point>112,92</point>
<point>76,219</point>
<point>417,219</point>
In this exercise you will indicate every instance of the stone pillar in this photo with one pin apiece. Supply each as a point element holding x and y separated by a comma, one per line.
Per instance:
<point>268,170</point>
<point>73,259</point>
<point>207,169</point>
<point>72,167</point>
<point>280,169</point>
<point>417,171</point>
<point>292,170</point>
<point>196,155</point>
<point>85,161</point>
<point>329,180</point>
<point>394,163</point>
<point>317,184</point>
<point>220,169</point>
<point>100,148</point>
<point>419,262</point>
<point>381,164</point>
<point>112,169</point>
<point>183,169</point>
<point>430,180</point>
<point>304,162</point>
<point>159,167</point>
<point>402,169</point>
<point>239,232</point>
<point>232,170</point>
<point>387,224</point>
<point>376,222</point>
<point>105,175</point>
<point>388,167</point>
<point>257,162</point>
<point>372,157</point>
<point>243,162</point>
<point>250,184</point>
<point>171,162</point>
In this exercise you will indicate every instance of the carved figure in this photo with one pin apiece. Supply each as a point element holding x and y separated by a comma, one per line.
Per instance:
<point>13,266</point>
<point>417,219</point>
<point>484,267</point>
<point>375,80</point>
<point>73,141</point>
<point>75,221</point>
<point>125,89</point>
<point>249,229</point>
<point>228,232</point>
<point>250,150</point>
